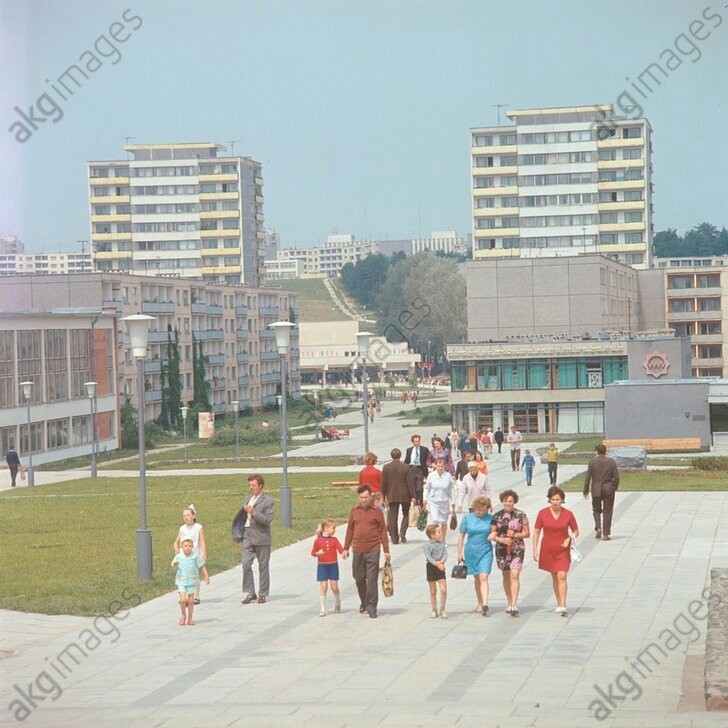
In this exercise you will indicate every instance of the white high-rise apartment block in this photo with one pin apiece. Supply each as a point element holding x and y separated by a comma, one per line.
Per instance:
<point>563,181</point>
<point>13,263</point>
<point>179,209</point>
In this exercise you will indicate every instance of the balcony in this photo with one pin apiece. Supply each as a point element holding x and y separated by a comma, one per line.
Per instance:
<point>209,335</point>
<point>707,363</point>
<point>111,303</point>
<point>241,335</point>
<point>269,355</point>
<point>267,334</point>
<point>213,310</point>
<point>270,378</point>
<point>215,384</point>
<point>152,367</point>
<point>245,404</point>
<point>269,311</point>
<point>678,316</point>
<point>220,408</point>
<point>215,359</point>
<point>243,381</point>
<point>269,399</point>
<point>243,357</point>
<point>198,307</point>
<point>157,307</point>
<point>241,310</point>
<point>153,395</point>
<point>158,337</point>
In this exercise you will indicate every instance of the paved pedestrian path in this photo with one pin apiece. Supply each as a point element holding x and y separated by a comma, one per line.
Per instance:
<point>279,664</point>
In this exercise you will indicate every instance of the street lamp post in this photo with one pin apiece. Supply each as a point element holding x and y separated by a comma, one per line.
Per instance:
<point>91,392</point>
<point>138,329</point>
<point>185,410</point>
<point>429,361</point>
<point>362,345</point>
<point>27,394</point>
<point>236,404</point>
<point>283,337</point>
<point>281,431</point>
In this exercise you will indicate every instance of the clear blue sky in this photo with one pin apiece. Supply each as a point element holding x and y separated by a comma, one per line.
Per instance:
<point>359,111</point>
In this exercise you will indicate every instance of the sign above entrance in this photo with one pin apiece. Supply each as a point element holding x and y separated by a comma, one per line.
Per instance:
<point>656,364</point>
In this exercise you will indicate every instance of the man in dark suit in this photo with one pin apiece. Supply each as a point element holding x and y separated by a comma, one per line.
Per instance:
<point>603,476</point>
<point>398,489</point>
<point>416,457</point>
<point>257,540</point>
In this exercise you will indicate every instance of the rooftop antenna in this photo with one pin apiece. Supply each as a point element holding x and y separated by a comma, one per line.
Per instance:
<point>499,107</point>
<point>232,146</point>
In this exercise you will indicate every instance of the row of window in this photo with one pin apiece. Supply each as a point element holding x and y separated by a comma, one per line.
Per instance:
<point>702,280</point>
<point>575,198</point>
<point>697,328</point>
<point>59,433</point>
<point>554,137</point>
<point>171,171</point>
<point>564,241</point>
<point>558,220</point>
<point>684,305</point>
<point>538,374</point>
<point>103,172</point>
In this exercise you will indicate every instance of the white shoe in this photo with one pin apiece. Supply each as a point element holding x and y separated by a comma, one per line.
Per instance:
<point>433,615</point>
<point>509,609</point>
<point>443,615</point>
<point>559,610</point>
<point>322,613</point>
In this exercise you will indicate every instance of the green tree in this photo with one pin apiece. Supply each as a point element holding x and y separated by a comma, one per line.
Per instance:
<point>200,387</point>
<point>130,428</point>
<point>163,418</point>
<point>363,279</point>
<point>423,300</point>
<point>174,390</point>
<point>702,239</point>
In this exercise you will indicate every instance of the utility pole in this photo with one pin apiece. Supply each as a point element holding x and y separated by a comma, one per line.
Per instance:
<point>499,107</point>
<point>126,143</point>
<point>232,146</point>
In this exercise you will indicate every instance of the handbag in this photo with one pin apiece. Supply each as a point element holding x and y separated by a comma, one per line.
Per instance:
<point>459,571</point>
<point>22,473</point>
<point>414,513</point>
<point>453,522</point>
<point>238,528</point>
<point>576,555</point>
<point>387,579</point>
<point>422,520</point>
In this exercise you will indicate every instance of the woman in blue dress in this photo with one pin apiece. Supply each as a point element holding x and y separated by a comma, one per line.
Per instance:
<point>477,550</point>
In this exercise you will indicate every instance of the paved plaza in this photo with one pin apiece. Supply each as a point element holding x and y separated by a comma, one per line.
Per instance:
<point>281,664</point>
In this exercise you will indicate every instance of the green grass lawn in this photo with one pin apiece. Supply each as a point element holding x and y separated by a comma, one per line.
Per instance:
<point>661,480</point>
<point>72,546</point>
<point>314,301</point>
<point>247,463</point>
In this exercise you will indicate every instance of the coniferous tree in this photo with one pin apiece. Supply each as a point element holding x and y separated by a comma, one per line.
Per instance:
<point>174,388</point>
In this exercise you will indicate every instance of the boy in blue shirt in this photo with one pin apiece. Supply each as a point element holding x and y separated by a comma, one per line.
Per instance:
<point>528,464</point>
<point>188,566</point>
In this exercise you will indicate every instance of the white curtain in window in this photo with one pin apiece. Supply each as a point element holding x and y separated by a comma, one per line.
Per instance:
<point>568,420</point>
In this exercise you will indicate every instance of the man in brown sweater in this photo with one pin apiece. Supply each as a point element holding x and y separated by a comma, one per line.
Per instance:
<point>398,489</point>
<point>603,476</point>
<point>366,532</point>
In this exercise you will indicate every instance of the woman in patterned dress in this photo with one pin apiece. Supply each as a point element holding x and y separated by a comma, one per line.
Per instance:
<point>439,451</point>
<point>510,526</point>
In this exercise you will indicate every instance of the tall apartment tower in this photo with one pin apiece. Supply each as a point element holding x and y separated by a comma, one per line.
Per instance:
<point>563,181</point>
<point>183,210</point>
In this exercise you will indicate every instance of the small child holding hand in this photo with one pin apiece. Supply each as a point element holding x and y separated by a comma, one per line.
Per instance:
<point>326,548</point>
<point>436,556</point>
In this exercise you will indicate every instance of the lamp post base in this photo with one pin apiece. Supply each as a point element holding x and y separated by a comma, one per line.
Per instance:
<point>144,554</point>
<point>286,506</point>
<point>31,477</point>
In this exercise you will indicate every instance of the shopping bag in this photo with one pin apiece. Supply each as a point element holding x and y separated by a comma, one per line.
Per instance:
<point>22,473</point>
<point>413,515</point>
<point>422,520</point>
<point>576,555</point>
<point>387,579</point>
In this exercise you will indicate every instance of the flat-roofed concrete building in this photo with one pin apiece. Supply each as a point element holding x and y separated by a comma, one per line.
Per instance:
<point>231,323</point>
<point>57,347</point>
<point>563,181</point>
<point>185,210</point>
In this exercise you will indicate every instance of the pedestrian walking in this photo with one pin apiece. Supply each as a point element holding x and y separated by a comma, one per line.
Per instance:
<point>188,566</point>
<point>366,535</point>
<point>528,465</point>
<point>369,475</point>
<point>552,462</point>
<point>436,575</point>
<point>326,548</point>
<point>603,476</point>
<point>398,489</point>
<point>559,527</point>
<point>437,497</point>
<point>190,528</point>
<point>475,549</point>
<point>257,540</point>
<point>13,461</point>
<point>514,440</point>
<point>498,437</point>
<point>509,529</point>
<point>473,485</point>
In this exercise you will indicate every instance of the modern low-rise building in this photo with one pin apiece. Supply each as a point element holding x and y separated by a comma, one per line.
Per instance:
<point>48,263</point>
<point>563,181</point>
<point>183,210</point>
<point>229,323</point>
<point>58,348</point>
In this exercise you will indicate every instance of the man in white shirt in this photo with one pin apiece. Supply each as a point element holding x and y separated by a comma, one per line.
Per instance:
<point>514,439</point>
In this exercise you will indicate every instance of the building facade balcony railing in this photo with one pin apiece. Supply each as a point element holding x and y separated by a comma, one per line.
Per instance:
<point>267,334</point>
<point>269,310</point>
<point>151,307</point>
<point>269,355</point>
<point>158,337</point>
<point>152,367</point>
<point>153,395</point>
<point>243,357</point>
<point>209,335</point>
<point>243,381</point>
<point>213,310</point>
<point>199,307</point>
<point>220,408</point>
<point>241,310</point>
<point>215,359</point>
<point>241,335</point>
<point>270,377</point>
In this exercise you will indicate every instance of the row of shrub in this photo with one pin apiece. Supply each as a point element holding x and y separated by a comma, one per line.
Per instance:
<point>248,435</point>
<point>714,463</point>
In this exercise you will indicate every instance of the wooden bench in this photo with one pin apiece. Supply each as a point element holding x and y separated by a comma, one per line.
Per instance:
<point>345,484</point>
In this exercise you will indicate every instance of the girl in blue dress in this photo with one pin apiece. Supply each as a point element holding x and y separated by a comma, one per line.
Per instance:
<point>477,550</point>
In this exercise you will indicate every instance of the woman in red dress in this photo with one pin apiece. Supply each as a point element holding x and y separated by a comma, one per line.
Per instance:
<point>555,556</point>
<point>369,475</point>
